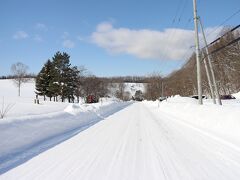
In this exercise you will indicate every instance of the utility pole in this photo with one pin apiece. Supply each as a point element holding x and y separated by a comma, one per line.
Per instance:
<point>211,67</point>
<point>162,88</point>
<point>199,83</point>
<point>209,80</point>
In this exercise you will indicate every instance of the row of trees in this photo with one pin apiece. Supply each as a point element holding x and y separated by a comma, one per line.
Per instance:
<point>58,78</point>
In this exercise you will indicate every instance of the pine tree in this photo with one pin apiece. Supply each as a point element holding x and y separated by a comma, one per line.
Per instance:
<point>58,78</point>
<point>72,82</point>
<point>43,79</point>
<point>61,73</point>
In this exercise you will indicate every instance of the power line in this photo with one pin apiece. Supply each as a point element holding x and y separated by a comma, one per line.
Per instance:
<point>233,29</point>
<point>177,11</point>
<point>181,6</point>
<point>184,7</point>
<point>226,20</point>
<point>228,44</point>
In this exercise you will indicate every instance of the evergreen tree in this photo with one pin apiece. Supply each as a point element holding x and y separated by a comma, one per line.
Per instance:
<point>43,79</point>
<point>58,78</point>
<point>72,83</point>
<point>61,74</point>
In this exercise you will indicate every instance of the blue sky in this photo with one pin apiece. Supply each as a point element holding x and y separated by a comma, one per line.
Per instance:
<point>108,37</point>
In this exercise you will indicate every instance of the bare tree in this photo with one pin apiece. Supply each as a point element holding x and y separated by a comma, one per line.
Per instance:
<point>120,91</point>
<point>19,72</point>
<point>154,86</point>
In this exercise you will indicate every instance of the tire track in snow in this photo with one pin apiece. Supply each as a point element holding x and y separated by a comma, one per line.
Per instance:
<point>135,143</point>
<point>202,151</point>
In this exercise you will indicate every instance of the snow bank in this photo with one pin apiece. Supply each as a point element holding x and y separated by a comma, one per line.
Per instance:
<point>237,95</point>
<point>39,132</point>
<point>222,120</point>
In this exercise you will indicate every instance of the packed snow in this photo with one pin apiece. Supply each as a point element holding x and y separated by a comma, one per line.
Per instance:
<point>172,139</point>
<point>139,142</point>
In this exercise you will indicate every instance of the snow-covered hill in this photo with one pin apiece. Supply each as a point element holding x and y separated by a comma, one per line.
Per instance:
<point>130,88</point>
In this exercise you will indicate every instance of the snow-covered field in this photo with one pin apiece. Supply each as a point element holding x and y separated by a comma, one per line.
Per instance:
<point>29,129</point>
<point>111,140</point>
<point>24,105</point>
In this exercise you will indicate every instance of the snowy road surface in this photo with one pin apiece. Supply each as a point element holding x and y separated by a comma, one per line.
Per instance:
<point>135,143</point>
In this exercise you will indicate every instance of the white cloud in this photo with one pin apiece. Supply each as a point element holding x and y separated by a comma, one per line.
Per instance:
<point>20,35</point>
<point>41,27</point>
<point>80,38</point>
<point>170,44</point>
<point>105,26</point>
<point>38,38</point>
<point>68,44</point>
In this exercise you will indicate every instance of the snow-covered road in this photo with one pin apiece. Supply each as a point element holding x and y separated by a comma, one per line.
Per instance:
<point>135,143</point>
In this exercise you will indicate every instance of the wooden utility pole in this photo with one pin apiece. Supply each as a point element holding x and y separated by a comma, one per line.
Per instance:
<point>199,82</point>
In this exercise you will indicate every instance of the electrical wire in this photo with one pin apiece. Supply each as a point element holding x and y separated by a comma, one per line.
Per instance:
<point>226,20</point>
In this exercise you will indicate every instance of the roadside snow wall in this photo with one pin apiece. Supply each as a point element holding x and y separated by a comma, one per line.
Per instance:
<point>223,120</point>
<point>24,137</point>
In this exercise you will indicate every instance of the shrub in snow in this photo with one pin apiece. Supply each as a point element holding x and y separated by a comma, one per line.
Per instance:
<point>5,109</point>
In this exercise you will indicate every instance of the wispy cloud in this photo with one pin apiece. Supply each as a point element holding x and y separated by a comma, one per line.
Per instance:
<point>20,35</point>
<point>38,38</point>
<point>169,44</point>
<point>67,43</point>
<point>41,27</point>
<point>65,35</point>
<point>82,38</point>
